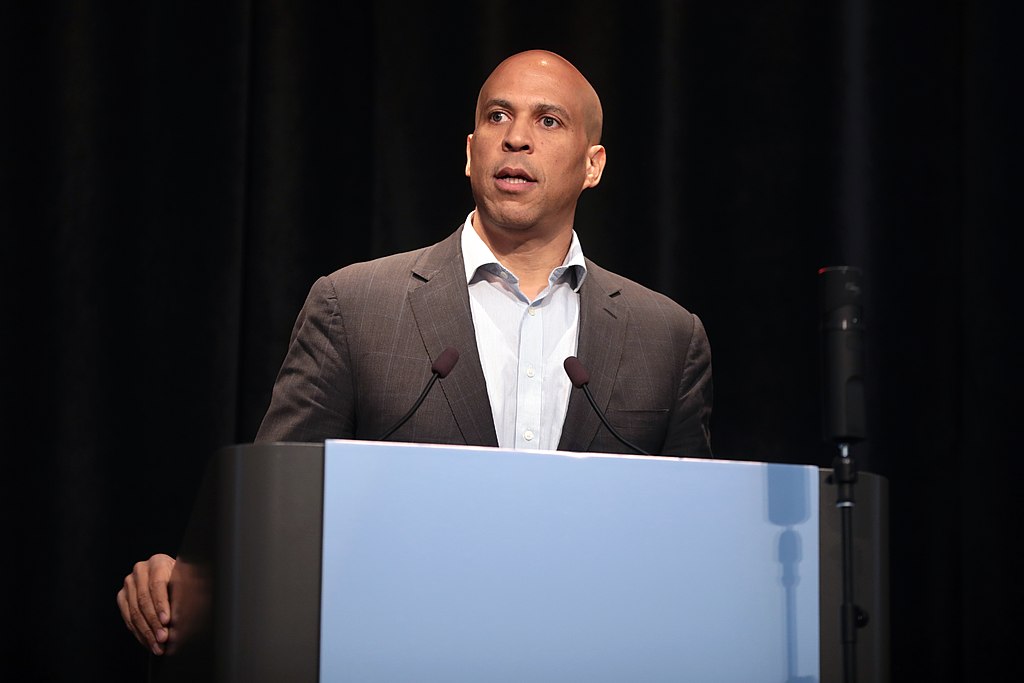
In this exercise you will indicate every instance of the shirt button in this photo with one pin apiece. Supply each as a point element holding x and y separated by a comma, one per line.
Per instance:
<point>532,310</point>
<point>528,435</point>
<point>530,372</point>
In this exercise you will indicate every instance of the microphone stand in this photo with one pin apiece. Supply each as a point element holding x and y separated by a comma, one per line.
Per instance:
<point>844,476</point>
<point>843,424</point>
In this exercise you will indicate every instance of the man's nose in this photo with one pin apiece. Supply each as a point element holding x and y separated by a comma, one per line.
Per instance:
<point>517,137</point>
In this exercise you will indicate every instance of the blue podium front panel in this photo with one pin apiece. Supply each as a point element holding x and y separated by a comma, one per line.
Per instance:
<point>445,563</point>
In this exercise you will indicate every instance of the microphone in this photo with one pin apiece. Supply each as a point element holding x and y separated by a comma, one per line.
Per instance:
<point>440,369</point>
<point>842,354</point>
<point>580,379</point>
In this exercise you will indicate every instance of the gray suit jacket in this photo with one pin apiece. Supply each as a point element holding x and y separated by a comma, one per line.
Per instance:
<point>364,341</point>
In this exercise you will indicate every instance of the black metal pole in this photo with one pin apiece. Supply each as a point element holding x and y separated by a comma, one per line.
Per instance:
<point>844,475</point>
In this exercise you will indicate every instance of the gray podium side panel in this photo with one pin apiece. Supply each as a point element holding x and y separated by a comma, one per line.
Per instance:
<point>245,592</point>
<point>870,578</point>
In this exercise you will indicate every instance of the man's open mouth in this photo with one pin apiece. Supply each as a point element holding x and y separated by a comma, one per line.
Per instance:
<point>514,176</point>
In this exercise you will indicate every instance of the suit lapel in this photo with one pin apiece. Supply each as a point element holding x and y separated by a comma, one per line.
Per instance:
<point>601,340</point>
<point>439,300</point>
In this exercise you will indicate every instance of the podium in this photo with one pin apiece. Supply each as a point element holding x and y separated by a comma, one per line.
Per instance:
<point>399,562</point>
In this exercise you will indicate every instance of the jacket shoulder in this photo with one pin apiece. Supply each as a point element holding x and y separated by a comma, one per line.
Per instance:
<point>639,298</point>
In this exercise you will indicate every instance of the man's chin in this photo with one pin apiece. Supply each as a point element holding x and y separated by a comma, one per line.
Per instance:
<point>512,219</point>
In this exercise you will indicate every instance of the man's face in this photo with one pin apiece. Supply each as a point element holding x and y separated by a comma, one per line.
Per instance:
<point>529,157</point>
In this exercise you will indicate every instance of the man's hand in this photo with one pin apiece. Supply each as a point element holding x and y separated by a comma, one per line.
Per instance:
<point>144,603</point>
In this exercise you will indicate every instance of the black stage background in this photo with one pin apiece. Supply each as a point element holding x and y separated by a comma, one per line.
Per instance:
<point>174,179</point>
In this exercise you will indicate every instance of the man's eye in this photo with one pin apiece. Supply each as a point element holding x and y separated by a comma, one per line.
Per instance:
<point>548,121</point>
<point>496,116</point>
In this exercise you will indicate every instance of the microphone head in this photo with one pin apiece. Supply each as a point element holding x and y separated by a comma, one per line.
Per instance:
<point>842,354</point>
<point>577,373</point>
<point>840,297</point>
<point>445,362</point>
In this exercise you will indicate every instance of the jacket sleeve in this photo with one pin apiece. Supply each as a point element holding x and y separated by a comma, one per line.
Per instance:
<point>689,431</point>
<point>314,397</point>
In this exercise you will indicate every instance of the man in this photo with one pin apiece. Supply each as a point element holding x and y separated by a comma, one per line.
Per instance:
<point>509,290</point>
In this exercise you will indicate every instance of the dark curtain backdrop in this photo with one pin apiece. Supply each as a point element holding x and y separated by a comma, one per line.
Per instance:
<point>175,178</point>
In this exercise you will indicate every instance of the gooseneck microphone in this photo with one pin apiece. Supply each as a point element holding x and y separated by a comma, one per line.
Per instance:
<point>440,369</point>
<point>580,379</point>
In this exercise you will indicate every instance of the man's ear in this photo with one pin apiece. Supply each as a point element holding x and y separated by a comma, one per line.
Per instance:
<point>595,166</point>
<point>469,154</point>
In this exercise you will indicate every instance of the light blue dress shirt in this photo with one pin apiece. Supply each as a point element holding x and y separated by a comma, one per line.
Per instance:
<point>523,343</point>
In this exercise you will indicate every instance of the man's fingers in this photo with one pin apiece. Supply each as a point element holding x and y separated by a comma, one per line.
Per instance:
<point>145,614</point>
<point>122,605</point>
<point>159,578</point>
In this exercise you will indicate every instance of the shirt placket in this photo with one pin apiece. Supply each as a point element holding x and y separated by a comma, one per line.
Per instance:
<point>529,378</point>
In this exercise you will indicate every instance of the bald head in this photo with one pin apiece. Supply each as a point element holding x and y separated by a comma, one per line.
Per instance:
<point>570,81</point>
<point>535,147</point>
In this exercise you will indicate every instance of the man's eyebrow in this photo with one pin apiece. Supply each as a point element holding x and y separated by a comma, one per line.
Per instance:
<point>540,108</point>
<point>496,102</point>
<point>544,108</point>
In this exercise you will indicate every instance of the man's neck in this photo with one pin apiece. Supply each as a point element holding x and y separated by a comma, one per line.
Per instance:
<point>530,254</point>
